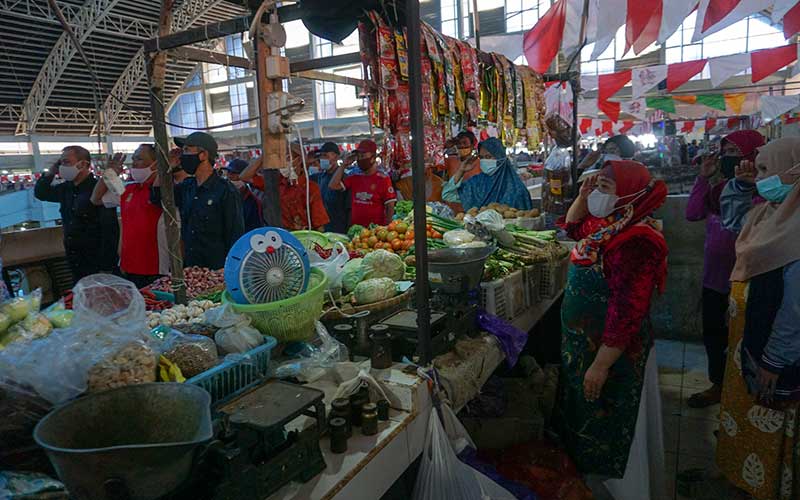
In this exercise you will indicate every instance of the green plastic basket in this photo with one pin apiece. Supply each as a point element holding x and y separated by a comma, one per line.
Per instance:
<point>290,319</point>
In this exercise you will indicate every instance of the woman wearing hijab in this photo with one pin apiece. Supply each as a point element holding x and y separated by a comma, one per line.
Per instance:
<point>759,438</point>
<point>719,254</point>
<point>609,399</point>
<point>498,181</point>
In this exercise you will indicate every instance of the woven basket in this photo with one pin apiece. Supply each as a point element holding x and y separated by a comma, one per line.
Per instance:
<point>334,315</point>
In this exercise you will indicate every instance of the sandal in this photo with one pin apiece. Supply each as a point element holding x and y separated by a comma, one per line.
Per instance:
<point>706,398</point>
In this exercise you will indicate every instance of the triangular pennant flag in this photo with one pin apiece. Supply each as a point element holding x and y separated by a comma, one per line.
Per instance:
<point>673,16</point>
<point>609,19</point>
<point>768,61</point>
<point>772,106</point>
<point>610,108</point>
<point>780,8</point>
<point>572,27</point>
<point>735,102</point>
<point>644,79</point>
<point>722,68</point>
<point>635,107</point>
<point>710,123</point>
<point>626,126</point>
<point>687,127</point>
<point>791,21</point>
<point>588,107</point>
<point>680,73</point>
<point>608,127</point>
<point>716,15</point>
<point>685,99</point>
<point>662,103</point>
<point>716,101</point>
<point>542,42</point>
<point>733,123</point>
<point>642,24</point>
<point>585,125</point>
<point>610,84</point>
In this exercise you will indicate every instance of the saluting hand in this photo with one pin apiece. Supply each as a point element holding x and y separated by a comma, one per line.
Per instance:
<point>116,162</point>
<point>746,172</point>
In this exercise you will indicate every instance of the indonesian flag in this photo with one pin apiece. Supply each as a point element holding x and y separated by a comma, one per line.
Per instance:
<point>642,24</point>
<point>542,42</point>
<point>715,15</point>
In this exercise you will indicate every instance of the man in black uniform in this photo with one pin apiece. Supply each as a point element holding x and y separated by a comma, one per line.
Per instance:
<point>91,233</point>
<point>210,206</point>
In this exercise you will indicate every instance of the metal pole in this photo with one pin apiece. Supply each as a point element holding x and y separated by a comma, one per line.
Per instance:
<point>476,24</point>
<point>156,71</point>
<point>575,84</point>
<point>418,181</point>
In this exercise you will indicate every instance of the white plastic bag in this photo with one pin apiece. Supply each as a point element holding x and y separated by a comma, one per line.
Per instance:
<point>320,354</point>
<point>333,266</point>
<point>442,475</point>
<point>457,237</point>
<point>235,335</point>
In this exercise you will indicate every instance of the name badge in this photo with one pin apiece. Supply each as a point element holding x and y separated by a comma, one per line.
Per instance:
<point>210,202</point>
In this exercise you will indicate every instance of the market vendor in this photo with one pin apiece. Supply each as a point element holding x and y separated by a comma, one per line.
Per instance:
<point>498,181</point>
<point>251,201</point>
<point>609,401</point>
<point>140,255</point>
<point>336,202</point>
<point>372,196</point>
<point>298,195</point>
<point>91,232</point>
<point>210,206</point>
<point>433,184</point>
<point>464,146</point>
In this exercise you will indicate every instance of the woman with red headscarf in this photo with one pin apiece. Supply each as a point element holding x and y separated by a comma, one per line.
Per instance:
<point>720,255</point>
<point>609,399</point>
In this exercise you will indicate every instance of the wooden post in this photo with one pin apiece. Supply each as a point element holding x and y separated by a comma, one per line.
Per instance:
<point>156,70</point>
<point>273,146</point>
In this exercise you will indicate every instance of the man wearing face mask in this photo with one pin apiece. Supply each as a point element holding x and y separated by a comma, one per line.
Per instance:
<point>337,203</point>
<point>719,252</point>
<point>141,253</point>
<point>210,206</point>
<point>251,202</point>
<point>372,196</point>
<point>91,233</point>
<point>298,194</point>
<point>619,147</point>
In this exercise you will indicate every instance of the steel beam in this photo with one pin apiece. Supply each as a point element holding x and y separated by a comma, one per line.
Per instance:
<point>198,34</point>
<point>187,14</point>
<point>325,62</point>
<point>84,21</point>
<point>207,56</point>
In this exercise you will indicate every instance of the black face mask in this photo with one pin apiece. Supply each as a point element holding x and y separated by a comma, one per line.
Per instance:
<point>728,164</point>
<point>190,162</point>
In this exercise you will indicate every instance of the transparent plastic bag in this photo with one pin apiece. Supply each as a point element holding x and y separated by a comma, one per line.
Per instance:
<point>458,237</point>
<point>319,355</point>
<point>333,266</point>
<point>238,339</point>
<point>109,317</point>
<point>193,354</point>
<point>16,309</point>
<point>442,475</point>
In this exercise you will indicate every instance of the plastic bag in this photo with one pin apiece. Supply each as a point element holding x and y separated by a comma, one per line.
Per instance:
<point>58,315</point>
<point>193,354</point>
<point>351,377</point>
<point>333,266</point>
<point>319,355</point>
<point>458,237</point>
<point>238,339</point>
<point>443,475</point>
<point>17,309</point>
<point>512,340</point>
<point>27,485</point>
<point>558,159</point>
<point>491,220</point>
<point>109,315</point>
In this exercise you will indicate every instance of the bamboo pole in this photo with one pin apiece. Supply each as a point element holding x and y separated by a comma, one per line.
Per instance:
<point>156,71</point>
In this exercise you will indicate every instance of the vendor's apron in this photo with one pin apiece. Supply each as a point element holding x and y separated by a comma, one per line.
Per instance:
<point>597,434</point>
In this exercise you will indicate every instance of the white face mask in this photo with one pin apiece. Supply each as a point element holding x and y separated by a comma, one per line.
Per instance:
<point>489,166</point>
<point>289,173</point>
<point>139,175</point>
<point>601,204</point>
<point>68,172</point>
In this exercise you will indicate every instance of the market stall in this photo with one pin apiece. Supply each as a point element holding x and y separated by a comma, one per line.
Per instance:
<point>307,367</point>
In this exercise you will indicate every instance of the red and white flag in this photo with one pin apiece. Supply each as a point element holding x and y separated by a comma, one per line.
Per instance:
<point>642,24</point>
<point>767,61</point>
<point>673,16</point>
<point>715,15</point>
<point>610,19</point>
<point>680,73</point>
<point>635,107</point>
<point>542,42</point>
<point>722,68</point>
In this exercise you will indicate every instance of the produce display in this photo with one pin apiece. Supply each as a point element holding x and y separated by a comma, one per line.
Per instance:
<point>374,290</point>
<point>504,210</point>
<point>193,354</point>
<point>21,320</point>
<point>198,280</point>
<point>193,312</point>
<point>134,363</point>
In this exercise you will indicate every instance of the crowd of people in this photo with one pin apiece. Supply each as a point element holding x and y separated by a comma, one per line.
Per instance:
<point>325,191</point>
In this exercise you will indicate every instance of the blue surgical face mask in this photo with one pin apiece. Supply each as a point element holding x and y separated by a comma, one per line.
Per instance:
<point>489,166</point>
<point>773,190</point>
<point>313,170</point>
<point>324,163</point>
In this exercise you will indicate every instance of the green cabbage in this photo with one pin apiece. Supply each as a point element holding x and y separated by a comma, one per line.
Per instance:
<point>352,275</point>
<point>383,264</point>
<point>374,290</point>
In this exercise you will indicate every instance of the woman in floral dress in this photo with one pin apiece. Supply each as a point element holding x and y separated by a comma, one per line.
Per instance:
<point>759,439</point>
<point>609,402</point>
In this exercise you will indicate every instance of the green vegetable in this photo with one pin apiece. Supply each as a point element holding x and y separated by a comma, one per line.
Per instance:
<point>60,318</point>
<point>354,231</point>
<point>374,290</point>
<point>403,208</point>
<point>383,264</point>
<point>352,274</point>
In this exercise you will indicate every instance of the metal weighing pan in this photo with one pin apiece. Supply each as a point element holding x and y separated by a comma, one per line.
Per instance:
<point>457,270</point>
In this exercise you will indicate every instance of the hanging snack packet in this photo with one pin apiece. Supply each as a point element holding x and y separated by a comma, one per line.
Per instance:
<point>402,53</point>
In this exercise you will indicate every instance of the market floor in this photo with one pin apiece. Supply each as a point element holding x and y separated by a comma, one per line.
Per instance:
<point>689,440</point>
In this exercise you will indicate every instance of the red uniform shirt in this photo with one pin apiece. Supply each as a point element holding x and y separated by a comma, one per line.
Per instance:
<point>139,253</point>
<point>369,195</point>
<point>293,205</point>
